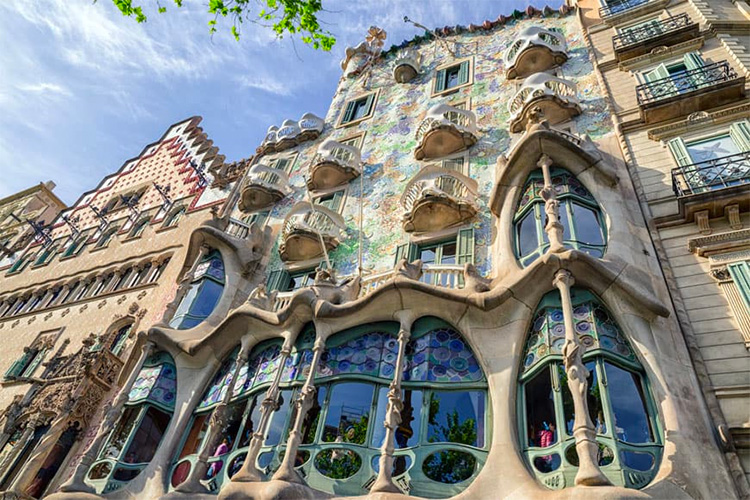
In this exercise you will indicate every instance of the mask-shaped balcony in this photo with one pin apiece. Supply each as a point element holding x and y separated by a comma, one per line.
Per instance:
<point>304,229</point>
<point>263,187</point>
<point>535,49</point>
<point>291,133</point>
<point>685,92</point>
<point>310,127</point>
<point>333,165</point>
<point>444,131</point>
<point>269,142</point>
<point>406,67</point>
<point>641,40</point>
<point>555,97</point>
<point>286,135</point>
<point>437,198</point>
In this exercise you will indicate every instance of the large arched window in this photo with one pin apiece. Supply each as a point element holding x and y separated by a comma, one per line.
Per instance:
<point>136,436</point>
<point>580,216</point>
<point>619,401</point>
<point>204,293</point>
<point>441,443</point>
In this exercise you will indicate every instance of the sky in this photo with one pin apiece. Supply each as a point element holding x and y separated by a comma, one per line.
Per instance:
<point>83,89</point>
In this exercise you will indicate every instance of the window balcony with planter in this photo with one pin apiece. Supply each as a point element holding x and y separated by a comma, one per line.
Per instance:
<point>556,99</point>
<point>306,229</point>
<point>334,164</point>
<point>438,198</point>
<point>444,131</point>
<point>535,49</point>
<point>263,187</point>
<point>680,93</point>
<point>641,39</point>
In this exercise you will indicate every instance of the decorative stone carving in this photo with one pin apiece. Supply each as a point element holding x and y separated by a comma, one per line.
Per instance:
<point>721,274</point>
<point>326,287</point>
<point>444,131</point>
<point>732,213</point>
<point>555,96</point>
<point>261,299</point>
<point>473,281</point>
<point>703,222</point>
<point>411,270</point>
<point>535,49</point>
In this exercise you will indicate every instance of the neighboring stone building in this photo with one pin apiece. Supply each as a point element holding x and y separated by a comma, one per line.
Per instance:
<point>20,212</point>
<point>676,74</point>
<point>80,290</point>
<point>447,286</point>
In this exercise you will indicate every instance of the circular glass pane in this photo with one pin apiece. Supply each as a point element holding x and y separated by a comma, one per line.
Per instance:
<point>100,471</point>
<point>180,473</point>
<point>450,466</point>
<point>637,460</point>
<point>236,464</point>
<point>401,464</point>
<point>264,459</point>
<point>605,455</point>
<point>548,463</point>
<point>337,463</point>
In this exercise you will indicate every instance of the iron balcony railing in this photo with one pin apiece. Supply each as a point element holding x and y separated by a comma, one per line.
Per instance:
<point>711,175</point>
<point>636,36</point>
<point>619,6</point>
<point>685,82</point>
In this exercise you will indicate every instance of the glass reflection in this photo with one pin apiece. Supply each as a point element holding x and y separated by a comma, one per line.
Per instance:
<point>596,406</point>
<point>540,411</point>
<point>278,418</point>
<point>450,466</point>
<point>348,413</point>
<point>338,463</point>
<point>456,417</point>
<point>407,433</point>
<point>631,422</point>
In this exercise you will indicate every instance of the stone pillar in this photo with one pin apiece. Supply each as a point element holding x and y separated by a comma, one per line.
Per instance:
<point>304,402</point>
<point>183,287</point>
<point>113,283</point>
<point>583,429</point>
<point>384,482</point>
<point>192,484</point>
<point>553,227</point>
<point>249,472</point>
<point>28,433</point>
<point>75,483</point>
<point>63,293</point>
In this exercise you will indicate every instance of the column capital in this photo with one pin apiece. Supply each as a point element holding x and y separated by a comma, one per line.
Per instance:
<point>563,277</point>
<point>544,161</point>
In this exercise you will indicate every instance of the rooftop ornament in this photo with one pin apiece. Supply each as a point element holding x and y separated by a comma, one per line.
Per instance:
<point>200,172</point>
<point>41,230</point>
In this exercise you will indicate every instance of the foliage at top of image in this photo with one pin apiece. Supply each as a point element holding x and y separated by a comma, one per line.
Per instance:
<point>286,17</point>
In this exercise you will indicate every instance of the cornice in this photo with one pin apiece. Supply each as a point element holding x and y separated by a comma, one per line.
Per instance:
<point>699,121</point>
<point>662,53</point>
<point>717,246</point>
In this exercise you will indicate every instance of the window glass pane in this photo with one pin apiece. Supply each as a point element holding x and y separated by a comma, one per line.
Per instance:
<point>449,253</point>
<point>427,255</point>
<point>457,417</point>
<point>360,109</point>
<point>122,431</point>
<point>541,430</point>
<point>186,302</point>
<point>233,422</point>
<point>451,77</point>
<point>310,422</point>
<point>631,422</point>
<point>251,422</point>
<point>527,238</point>
<point>587,225</point>
<point>713,148</point>
<point>348,413</point>
<point>564,221</point>
<point>596,408</point>
<point>197,431</point>
<point>278,418</point>
<point>147,437</point>
<point>209,295</point>
<point>407,433</point>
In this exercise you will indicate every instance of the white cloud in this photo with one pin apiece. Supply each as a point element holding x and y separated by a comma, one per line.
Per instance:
<point>44,88</point>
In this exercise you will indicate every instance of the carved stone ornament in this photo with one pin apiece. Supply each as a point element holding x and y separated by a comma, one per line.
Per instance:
<point>101,304</point>
<point>698,117</point>
<point>122,299</point>
<point>721,274</point>
<point>65,312</point>
<point>661,49</point>
<point>83,308</point>
<point>31,320</point>
<point>474,281</point>
<point>47,316</point>
<point>133,308</point>
<point>261,299</point>
<point>411,270</point>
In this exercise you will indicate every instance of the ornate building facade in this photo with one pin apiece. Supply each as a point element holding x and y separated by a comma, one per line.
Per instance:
<point>456,283</point>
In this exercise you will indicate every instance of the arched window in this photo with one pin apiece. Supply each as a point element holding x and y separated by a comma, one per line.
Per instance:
<point>174,217</point>
<point>139,227</point>
<point>204,293</point>
<point>580,216</point>
<point>619,401</point>
<point>76,246</point>
<point>136,436</point>
<point>441,443</point>
<point>106,237</point>
<point>119,339</point>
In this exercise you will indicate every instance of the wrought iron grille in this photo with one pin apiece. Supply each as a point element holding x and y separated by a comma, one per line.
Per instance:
<point>710,175</point>
<point>619,6</point>
<point>684,82</point>
<point>644,33</point>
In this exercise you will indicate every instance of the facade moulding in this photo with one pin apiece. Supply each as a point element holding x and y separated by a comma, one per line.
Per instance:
<point>698,122</point>
<point>662,53</point>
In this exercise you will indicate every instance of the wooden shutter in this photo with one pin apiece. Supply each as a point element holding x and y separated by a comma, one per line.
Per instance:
<point>740,272</point>
<point>463,73</point>
<point>440,81</point>
<point>679,151</point>
<point>368,104</point>
<point>658,73</point>
<point>29,371</point>
<point>17,367</point>
<point>693,60</point>
<point>277,280</point>
<point>740,134</point>
<point>349,112</point>
<point>465,246</point>
<point>406,251</point>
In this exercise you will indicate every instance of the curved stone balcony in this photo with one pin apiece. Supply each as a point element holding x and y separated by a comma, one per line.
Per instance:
<point>444,131</point>
<point>291,133</point>
<point>333,165</point>
<point>406,67</point>
<point>554,96</point>
<point>263,187</point>
<point>437,198</point>
<point>535,49</point>
<point>304,228</point>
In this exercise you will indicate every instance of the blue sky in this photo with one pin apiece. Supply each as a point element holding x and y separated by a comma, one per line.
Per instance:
<point>82,89</point>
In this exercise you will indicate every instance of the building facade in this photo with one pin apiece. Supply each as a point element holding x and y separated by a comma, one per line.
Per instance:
<point>467,280</point>
<point>78,290</point>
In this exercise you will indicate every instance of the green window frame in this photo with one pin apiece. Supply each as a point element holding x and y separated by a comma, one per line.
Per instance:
<point>77,245</point>
<point>675,70</point>
<point>332,201</point>
<point>174,217</point>
<point>358,109</point>
<point>46,254</point>
<point>629,433</point>
<point>452,76</point>
<point>740,273</point>
<point>455,251</point>
<point>139,227</point>
<point>578,212</point>
<point>26,365</point>
<point>284,163</point>
<point>204,294</point>
<point>23,261</point>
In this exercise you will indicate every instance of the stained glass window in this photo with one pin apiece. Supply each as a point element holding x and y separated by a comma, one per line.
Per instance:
<point>441,356</point>
<point>204,293</point>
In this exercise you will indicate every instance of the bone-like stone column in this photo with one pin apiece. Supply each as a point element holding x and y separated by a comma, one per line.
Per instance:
<point>75,483</point>
<point>583,429</point>
<point>249,472</point>
<point>218,419</point>
<point>303,403</point>
<point>554,227</point>
<point>183,287</point>
<point>384,482</point>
